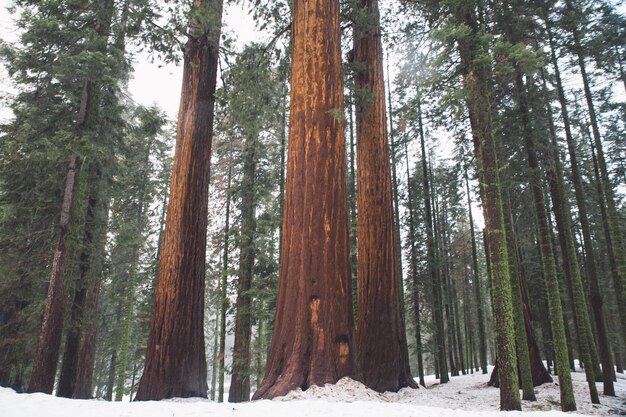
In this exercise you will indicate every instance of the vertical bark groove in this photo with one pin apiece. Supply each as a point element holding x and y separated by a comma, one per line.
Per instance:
<point>312,342</point>
<point>175,355</point>
<point>381,338</point>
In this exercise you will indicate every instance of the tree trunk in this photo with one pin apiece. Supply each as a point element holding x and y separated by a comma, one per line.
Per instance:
<point>482,337</point>
<point>175,356</point>
<point>414,265</point>
<point>352,203</point>
<point>87,353</point>
<point>614,232</point>
<point>590,258</point>
<point>312,340</point>
<point>87,284</point>
<point>50,334</point>
<point>382,353</point>
<point>440,341</point>
<point>240,383</point>
<point>477,82</point>
<point>550,274</point>
<point>128,320</point>
<point>394,181</point>
<point>223,292</point>
<point>521,338</point>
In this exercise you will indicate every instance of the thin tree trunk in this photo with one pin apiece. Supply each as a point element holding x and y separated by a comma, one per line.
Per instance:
<point>128,321</point>
<point>87,354</point>
<point>568,402</point>
<point>312,342</point>
<point>175,355</point>
<point>482,337</point>
<point>414,272</point>
<point>432,265</point>
<point>223,292</point>
<point>590,258</point>
<point>521,338</point>
<point>111,377</point>
<point>240,382</point>
<point>214,356</point>
<point>616,245</point>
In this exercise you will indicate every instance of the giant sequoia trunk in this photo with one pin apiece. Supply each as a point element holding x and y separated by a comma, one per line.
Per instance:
<point>477,82</point>
<point>382,354</point>
<point>312,340</point>
<point>175,356</point>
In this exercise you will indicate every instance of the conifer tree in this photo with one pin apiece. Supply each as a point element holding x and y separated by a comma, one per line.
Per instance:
<point>380,337</point>
<point>312,341</point>
<point>175,356</point>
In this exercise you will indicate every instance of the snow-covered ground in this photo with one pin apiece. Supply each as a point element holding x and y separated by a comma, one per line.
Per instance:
<point>464,396</point>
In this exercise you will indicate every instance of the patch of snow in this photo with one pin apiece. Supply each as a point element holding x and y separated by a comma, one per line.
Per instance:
<point>463,396</point>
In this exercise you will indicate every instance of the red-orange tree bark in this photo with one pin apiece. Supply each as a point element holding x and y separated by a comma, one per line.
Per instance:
<point>382,353</point>
<point>175,356</point>
<point>312,339</point>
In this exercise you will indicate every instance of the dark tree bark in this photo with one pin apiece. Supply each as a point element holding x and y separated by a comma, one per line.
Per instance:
<point>312,340</point>
<point>90,269</point>
<point>440,341</point>
<point>382,353</point>
<point>87,353</point>
<point>613,231</point>
<point>548,263</point>
<point>240,383</point>
<point>175,355</point>
<point>590,258</point>
<point>49,340</point>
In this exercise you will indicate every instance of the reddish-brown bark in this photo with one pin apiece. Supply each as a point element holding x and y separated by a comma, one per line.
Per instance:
<point>175,356</point>
<point>312,341</point>
<point>382,354</point>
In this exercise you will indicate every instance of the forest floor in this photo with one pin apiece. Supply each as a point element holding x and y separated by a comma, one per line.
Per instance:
<point>463,396</point>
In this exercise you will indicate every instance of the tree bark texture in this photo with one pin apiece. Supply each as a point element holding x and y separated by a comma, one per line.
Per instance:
<point>87,353</point>
<point>439,337</point>
<point>477,81</point>
<point>312,341</point>
<point>50,334</point>
<point>590,258</point>
<point>240,382</point>
<point>414,267</point>
<point>382,354</point>
<point>224,292</point>
<point>551,280</point>
<point>175,355</point>
<point>482,337</point>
